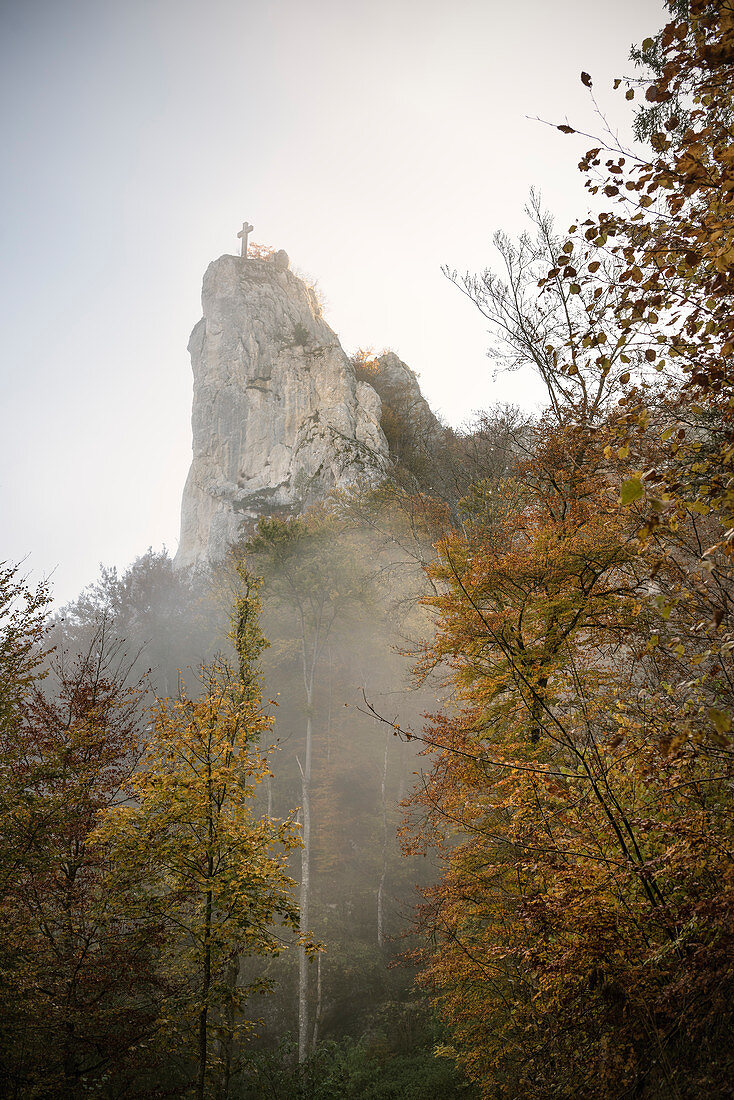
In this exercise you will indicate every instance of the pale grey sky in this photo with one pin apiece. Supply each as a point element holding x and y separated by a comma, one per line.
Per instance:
<point>373,141</point>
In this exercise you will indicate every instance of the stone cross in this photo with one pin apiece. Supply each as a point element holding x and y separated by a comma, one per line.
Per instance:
<point>244,233</point>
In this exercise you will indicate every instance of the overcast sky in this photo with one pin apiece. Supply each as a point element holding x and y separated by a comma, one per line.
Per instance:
<point>374,140</point>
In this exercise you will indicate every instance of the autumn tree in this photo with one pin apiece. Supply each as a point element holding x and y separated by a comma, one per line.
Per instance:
<point>669,231</point>
<point>80,993</point>
<point>23,634</point>
<point>578,860</point>
<point>581,794</point>
<point>205,866</point>
<point>534,569</point>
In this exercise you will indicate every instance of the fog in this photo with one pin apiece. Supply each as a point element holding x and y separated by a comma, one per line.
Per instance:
<point>373,141</point>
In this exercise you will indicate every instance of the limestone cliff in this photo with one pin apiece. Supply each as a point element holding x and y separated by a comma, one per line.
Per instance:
<point>279,418</point>
<point>409,414</point>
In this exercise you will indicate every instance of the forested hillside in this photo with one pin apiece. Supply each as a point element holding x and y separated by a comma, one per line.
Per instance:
<point>426,792</point>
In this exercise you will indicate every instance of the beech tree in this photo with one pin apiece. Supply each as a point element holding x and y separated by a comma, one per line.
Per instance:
<point>23,631</point>
<point>584,843</point>
<point>206,868</point>
<point>80,990</point>
<point>581,794</point>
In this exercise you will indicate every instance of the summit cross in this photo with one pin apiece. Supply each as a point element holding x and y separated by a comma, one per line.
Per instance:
<point>244,234</point>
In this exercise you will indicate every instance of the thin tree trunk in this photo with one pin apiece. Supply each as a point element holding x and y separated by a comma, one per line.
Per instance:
<point>328,719</point>
<point>71,1068</point>
<point>317,1013</point>
<point>305,886</point>
<point>206,981</point>
<point>381,888</point>
<point>207,959</point>
<point>227,1043</point>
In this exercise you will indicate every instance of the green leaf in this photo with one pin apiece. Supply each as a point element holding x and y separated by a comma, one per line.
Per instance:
<point>631,490</point>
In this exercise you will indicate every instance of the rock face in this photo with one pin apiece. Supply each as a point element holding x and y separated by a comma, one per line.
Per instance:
<point>397,386</point>
<point>279,418</point>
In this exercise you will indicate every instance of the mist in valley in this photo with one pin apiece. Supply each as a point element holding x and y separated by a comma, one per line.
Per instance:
<point>343,620</point>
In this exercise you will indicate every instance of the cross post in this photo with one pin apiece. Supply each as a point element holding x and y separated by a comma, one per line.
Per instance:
<point>243,234</point>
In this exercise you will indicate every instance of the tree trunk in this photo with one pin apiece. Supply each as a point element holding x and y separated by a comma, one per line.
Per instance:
<point>305,888</point>
<point>206,981</point>
<point>381,887</point>
<point>207,958</point>
<point>227,1041</point>
<point>317,1013</point>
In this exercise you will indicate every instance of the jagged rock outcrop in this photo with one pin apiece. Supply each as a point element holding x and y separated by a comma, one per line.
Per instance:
<point>279,418</point>
<point>398,388</point>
